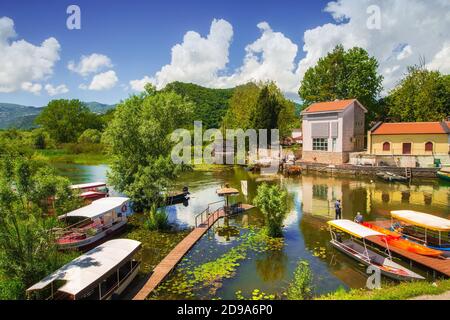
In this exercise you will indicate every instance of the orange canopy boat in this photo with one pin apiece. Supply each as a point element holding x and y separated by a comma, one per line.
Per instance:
<point>394,239</point>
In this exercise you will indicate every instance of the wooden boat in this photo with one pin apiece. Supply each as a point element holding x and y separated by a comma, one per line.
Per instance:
<point>394,239</point>
<point>391,177</point>
<point>91,191</point>
<point>91,224</point>
<point>99,274</point>
<point>421,227</point>
<point>365,256</point>
<point>444,174</point>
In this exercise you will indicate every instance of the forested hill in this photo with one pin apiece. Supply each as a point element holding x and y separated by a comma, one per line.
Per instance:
<point>22,117</point>
<point>210,104</point>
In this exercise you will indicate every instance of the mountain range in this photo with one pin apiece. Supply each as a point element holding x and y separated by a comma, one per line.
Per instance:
<point>22,117</point>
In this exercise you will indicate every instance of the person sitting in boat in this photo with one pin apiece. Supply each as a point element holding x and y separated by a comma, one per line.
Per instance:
<point>359,218</point>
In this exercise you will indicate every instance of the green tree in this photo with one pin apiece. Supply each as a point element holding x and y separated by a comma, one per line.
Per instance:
<point>344,75</point>
<point>138,140</point>
<point>242,105</point>
<point>65,120</point>
<point>27,247</point>
<point>272,201</point>
<point>422,95</point>
<point>90,136</point>
<point>301,286</point>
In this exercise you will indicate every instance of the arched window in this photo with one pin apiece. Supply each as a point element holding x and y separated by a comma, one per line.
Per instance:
<point>386,146</point>
<point>429,146</point>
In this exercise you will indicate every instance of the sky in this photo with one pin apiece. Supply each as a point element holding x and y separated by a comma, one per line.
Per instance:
<point>121,45</point>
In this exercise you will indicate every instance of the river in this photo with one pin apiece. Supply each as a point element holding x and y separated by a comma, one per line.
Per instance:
<point>306,237</point>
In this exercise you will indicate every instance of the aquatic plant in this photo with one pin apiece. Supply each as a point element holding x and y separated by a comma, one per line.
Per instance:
<point>301,286</point>
<point>256,295</point>
<point>272,201</point>
<point>157,219</point>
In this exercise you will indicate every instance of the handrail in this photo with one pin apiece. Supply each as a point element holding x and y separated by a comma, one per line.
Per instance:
<point>207,210</point>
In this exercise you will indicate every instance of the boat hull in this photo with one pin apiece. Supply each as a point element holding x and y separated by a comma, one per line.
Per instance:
<point>443,176</point>
<point>387,267</point>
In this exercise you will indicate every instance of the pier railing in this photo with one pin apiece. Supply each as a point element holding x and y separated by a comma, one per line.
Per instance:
<point>205,214</point>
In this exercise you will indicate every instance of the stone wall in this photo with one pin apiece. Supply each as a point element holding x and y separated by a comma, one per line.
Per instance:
<point>325,157</point>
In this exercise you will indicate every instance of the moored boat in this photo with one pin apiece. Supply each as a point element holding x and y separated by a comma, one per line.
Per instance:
<point>365,256</point>
<point>431,230</point>
<point>444,174</point>
<point>394,239</point>
<point>99,274</point>
<point>391,177</point>
<point>91,191</point>
<point>89,225</point>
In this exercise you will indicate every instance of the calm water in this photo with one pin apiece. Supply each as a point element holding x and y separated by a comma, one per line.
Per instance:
<point>306,237</point>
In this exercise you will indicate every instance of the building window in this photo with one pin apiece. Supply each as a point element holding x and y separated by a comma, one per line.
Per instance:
<point>333,144</point>
<point>386,146</point>
<point>320,144</point>
<point>429,146</point>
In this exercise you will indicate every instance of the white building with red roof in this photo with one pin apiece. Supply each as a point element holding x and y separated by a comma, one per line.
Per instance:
<point>332,130</point>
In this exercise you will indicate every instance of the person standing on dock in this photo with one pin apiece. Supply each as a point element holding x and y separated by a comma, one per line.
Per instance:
<point>337,207</point>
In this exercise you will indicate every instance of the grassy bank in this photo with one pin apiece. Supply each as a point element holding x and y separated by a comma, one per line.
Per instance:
<point>65,155</point>
<point>402,291</point>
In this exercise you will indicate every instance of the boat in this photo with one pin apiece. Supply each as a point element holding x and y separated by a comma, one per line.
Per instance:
<point>394,239</point>
<point>89,225</point>
<point>100,274</point>
<point>362,254</point>
<point>444,174</point>
<point>91,191</point>
<point>421,227</point>
<point>391,177</point>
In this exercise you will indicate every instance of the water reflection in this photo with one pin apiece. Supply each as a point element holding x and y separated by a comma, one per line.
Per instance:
<point>312,198</point>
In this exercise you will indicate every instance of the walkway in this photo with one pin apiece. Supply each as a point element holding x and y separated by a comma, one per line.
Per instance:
<point>174,257</point>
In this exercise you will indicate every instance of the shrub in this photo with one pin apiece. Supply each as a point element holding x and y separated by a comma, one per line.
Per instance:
<point>301,286</point>
<point>90,136</point>
<point>272,201</point>
<point>157,219</point>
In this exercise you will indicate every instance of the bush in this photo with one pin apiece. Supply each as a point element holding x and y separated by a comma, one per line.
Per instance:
<point>11,289</point>
<point>272,201</point>
<point>301,286</point>
<point>90,136</point>
<point>77,148</point>
<point>157,219</point>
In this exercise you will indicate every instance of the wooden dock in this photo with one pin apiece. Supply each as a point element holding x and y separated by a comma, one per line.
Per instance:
<point>163,269</point>
<point>438,265</point>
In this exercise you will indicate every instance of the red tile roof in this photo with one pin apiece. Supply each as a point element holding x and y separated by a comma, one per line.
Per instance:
<point>410,128</point>
<point>337,105</point>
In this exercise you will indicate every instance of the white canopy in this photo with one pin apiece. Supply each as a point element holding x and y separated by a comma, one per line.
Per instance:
<point>88,185</point>
<point>88,268</point>
<point>423,220</point>
<point>97,208</point>
<point>353,228</point>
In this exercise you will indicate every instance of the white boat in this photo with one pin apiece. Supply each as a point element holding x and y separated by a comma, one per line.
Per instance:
<point>90,224</point>
<point>99,274</point>
<point>91,191</point>
<point>367,257</point>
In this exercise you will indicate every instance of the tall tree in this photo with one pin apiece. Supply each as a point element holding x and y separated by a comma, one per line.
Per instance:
<point>66,120</point>
<point>422,95</point>
<point>138,139</point>
<point>343,75</point>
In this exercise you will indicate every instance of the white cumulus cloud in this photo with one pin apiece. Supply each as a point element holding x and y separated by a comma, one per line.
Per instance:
<point>56,90</point>
<point>102,81</point>
<point>441,61</point>
<point>139,84</point>
<point>22,64</point>
<point>90,64</point>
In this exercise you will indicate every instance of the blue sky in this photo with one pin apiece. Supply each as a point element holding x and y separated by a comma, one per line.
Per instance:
<point>137,37</point>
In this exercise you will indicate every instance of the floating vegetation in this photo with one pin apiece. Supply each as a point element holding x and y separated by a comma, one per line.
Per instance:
<point>190,278</point>
<point>256,295</point>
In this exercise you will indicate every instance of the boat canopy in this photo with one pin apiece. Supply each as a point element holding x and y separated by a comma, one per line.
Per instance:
<point>353,228</point>
<point>88,185</point>
<point>91,267</point>
<point>423,220</point>
<point>97,208</point>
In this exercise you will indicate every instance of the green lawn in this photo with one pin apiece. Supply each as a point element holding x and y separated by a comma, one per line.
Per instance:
<point>402,291</point>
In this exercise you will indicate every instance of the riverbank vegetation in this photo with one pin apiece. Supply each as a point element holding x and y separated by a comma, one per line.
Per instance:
<point>402,291</point>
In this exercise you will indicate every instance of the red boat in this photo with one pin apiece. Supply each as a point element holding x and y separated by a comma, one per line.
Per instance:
<point>91,191</point>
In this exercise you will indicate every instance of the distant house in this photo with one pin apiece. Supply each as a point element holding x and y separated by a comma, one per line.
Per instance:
<point>332,130</point>
<point>419,143</point>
